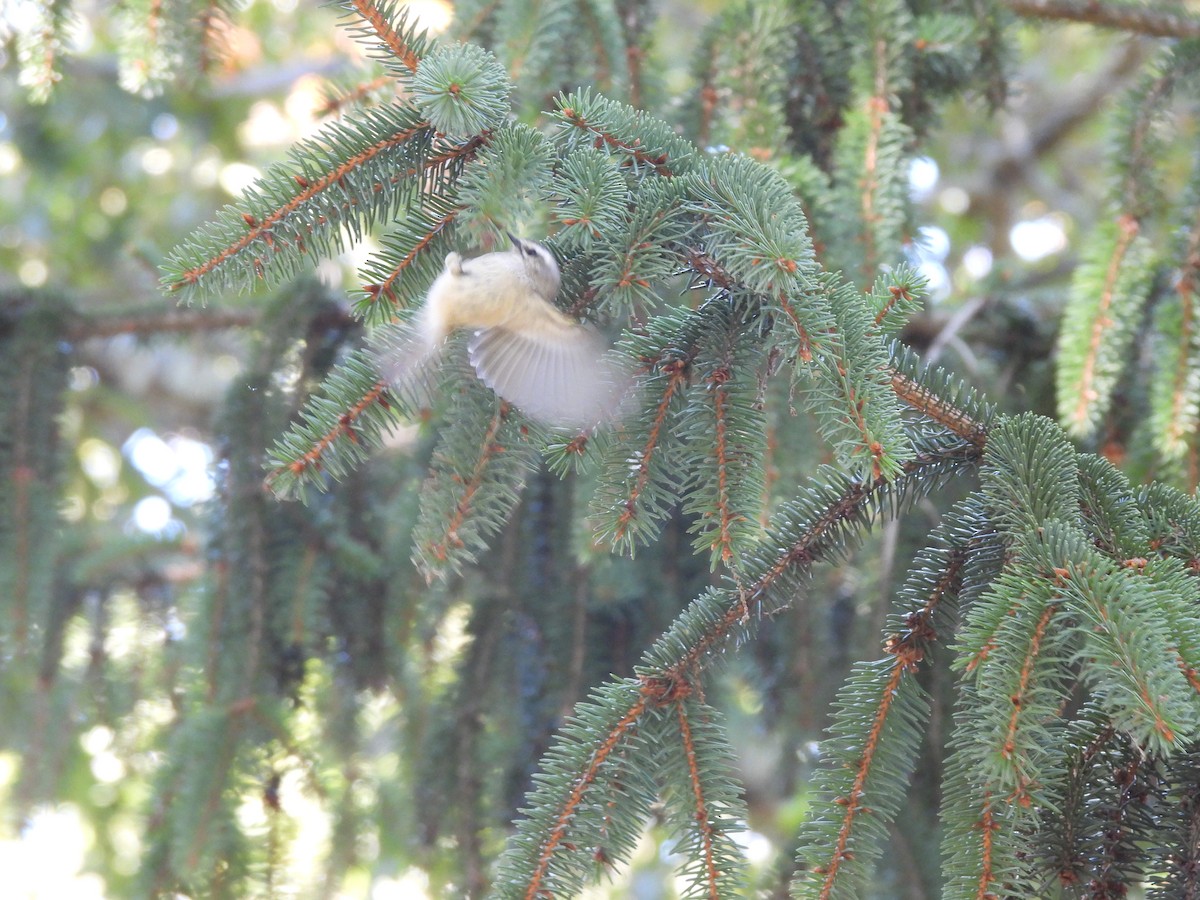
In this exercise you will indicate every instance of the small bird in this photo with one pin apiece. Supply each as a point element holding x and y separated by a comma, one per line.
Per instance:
<point>524,348</point>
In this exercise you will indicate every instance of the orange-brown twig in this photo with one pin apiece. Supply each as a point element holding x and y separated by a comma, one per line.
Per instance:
<point>387,35</point>
<point>384,288</point>
<point>587,778</point>
<point>488,450</point>
<point>657,162</point>
<point>677,377</point>
<point>343,429</point>
<point>1009,748</point>
<point>261,228</point>
<point>702,819</point>
<point>1128,227</point>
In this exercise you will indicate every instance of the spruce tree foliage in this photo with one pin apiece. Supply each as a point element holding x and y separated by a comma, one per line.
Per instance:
<point>1139,279</point>
<point>748,259</point>
<point>1067,597</point>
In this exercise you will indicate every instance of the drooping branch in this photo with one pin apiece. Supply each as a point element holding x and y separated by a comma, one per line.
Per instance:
<point>657,689</point>
<point>1128,229</point>
<point>677,378</point>
<point>171,321</point>
<point>703,821</point>
<point>815,544</point>
<point>1173,22</point>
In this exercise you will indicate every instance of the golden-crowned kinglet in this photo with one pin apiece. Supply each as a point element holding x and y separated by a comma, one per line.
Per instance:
<point>524,348</point>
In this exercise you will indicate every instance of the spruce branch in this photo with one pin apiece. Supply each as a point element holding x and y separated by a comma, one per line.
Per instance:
<point>725,489</point>
<point>1100,321</point>
<point>815,530</point>
<point>335,182</point>
<point>384,28</point>
<point>1175,395</point>
<point>701,814</point>
<point>403,269</point>
<point>484,455</point>
<point>315,458</point>
<point>643,144</point>
<point>898,707</point>
<point>880,719</point>
<point>541,853</point>
<point>675,372</point>
<point>339,101</point>
<point>440,548</point>
<point>351,414</point>
<point>722,545</point>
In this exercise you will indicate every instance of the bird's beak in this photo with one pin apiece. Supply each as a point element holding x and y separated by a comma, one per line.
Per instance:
<point>512,237</point>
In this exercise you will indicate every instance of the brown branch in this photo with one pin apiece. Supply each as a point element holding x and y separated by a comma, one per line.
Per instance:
<point>1187,337</point>
<point>384,288</point>
<point>877,107</point>
<point>860,423</point>
<point>487,451</point>
<point>175,320</point>
<point>726,518</point>
<point>587,778</point>
<point>261,228</point>
<point>1140,156</point>
<point>673,683</point>
<point>387,35</point>
<point>853,802</point>
<point>1008,749</point>
<point>895,293</point>
<point>1128,227</point>
<point>677,372</point>
<point>701,814</point>
<point>354,96</point>
<point>658,162</point>
<point>343,429</point>
<point>812,546</point>
<point>906,389</point>
<point>934,407</point>
<point>987,826</point>
<point>907,650</point>
<point>1148,20</point>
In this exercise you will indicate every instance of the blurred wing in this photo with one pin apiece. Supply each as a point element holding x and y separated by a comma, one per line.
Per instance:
<point>556,373</point>
<point>405,360</point>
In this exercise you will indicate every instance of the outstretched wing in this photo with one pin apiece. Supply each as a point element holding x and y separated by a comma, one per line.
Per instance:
<point>556,373</point>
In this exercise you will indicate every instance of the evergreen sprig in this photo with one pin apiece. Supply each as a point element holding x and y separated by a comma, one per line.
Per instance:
<point>864,773</point>
<point>462,89</point>
<point>361,171</point>
<point>724,492</point>
<point>479,468</point>
<point>1108,294</point>
<point>386,31</point>
<point>1124,266</point>
<point>329,440</point>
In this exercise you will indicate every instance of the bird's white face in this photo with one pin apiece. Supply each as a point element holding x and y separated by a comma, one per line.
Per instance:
<point>540,267</point>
